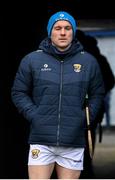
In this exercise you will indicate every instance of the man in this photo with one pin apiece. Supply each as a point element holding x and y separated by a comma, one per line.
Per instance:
<point>49,90</point>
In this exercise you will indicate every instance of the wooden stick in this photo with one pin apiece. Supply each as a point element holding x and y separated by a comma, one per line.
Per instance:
<point>89,133</point>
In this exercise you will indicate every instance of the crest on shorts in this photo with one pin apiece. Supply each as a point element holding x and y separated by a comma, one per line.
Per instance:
<point>35,153</point>
<point>77,67</point>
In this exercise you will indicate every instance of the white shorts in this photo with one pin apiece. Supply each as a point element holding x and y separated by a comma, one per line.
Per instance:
<point>71,158</point>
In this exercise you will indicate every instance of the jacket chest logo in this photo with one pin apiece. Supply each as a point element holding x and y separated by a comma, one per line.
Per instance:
<point>45,68</point>
<point>77,67</point>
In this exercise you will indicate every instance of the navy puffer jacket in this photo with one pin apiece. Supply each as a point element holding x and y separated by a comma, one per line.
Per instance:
<point>49,90</point>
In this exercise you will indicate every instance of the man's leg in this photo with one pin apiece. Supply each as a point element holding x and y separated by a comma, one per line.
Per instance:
<point>64,173</point>
<point>40,171</point>
<point>41,162</point>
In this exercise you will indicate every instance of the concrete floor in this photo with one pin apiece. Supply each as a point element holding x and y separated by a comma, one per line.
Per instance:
<point>104,156</point>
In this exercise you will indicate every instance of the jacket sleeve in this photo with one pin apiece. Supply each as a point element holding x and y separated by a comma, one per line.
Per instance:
<point>96,91</point>
<point>22,90</point>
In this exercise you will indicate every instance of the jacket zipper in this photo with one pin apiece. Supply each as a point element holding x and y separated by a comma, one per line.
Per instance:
<point>60,99</point>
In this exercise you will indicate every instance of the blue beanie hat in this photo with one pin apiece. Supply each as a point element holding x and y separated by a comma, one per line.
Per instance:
<point>62,15</point>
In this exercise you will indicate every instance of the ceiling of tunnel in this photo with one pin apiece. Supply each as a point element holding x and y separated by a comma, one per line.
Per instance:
<point>88,9</point>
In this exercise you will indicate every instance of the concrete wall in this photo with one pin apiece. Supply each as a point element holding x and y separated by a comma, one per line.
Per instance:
<point>107,48</point>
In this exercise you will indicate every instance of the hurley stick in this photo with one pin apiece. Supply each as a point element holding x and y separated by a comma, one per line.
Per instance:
<point>89,130</point>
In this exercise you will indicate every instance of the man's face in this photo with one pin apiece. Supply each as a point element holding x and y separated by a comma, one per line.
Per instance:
<point>62,34</point>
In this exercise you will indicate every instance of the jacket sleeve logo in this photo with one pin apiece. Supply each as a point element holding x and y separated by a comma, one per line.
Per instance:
<point>77,67</point>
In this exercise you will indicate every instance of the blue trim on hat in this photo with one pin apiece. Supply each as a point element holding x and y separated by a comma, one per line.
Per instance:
<point>62,15</point>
